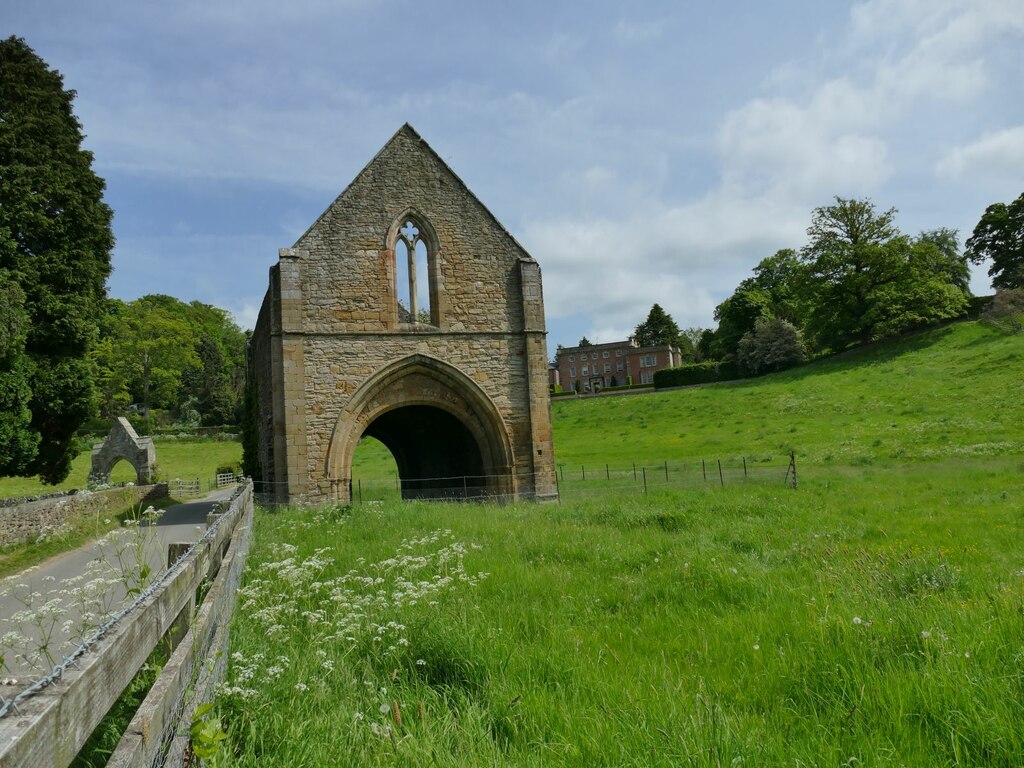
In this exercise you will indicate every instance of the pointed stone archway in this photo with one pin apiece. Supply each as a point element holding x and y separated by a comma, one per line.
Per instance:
<point>446,435</point>
<point>123,443</point>
<point>409,313</point>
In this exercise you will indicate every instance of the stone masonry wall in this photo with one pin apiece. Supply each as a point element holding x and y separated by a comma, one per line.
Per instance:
<point>332,318</point>
<point>25,522</point>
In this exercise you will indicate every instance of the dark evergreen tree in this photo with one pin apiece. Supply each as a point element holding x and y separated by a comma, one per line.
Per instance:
<point>55,243</point>
<point>18,441</point>
<point>737,317</point>
<point>659,328</point>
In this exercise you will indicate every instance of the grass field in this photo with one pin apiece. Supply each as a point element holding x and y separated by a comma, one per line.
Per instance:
<point>953,392</point>
<point>185,459</point>
<point>738,626</point>
<point>875,616</point>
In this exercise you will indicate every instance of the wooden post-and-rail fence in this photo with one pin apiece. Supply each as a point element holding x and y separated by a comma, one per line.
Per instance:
<point>48,728</point>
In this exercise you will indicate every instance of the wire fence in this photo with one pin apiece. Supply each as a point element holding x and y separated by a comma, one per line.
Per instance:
<point>572,481</point>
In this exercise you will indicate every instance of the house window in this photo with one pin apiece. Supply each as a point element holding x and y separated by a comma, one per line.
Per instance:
<point>586,370</point>
<point>618,367</point>
<point>648,361</point>
<point>415,291</point>
<point>607,367</point>
<point>572,358</point>
<point>605,353</point>
<point>572,371</point>
<point>618,353</point>
<point>593,355</point>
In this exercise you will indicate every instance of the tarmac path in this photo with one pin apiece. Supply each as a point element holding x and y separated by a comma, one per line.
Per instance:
<point>179,523</point>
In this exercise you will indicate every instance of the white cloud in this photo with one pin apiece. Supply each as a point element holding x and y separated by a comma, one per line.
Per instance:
<point>998,154</point>
<point>778,158</point>
<point>638,32</point>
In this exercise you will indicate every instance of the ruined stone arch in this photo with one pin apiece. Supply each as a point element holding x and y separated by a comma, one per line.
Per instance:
<point>332,360</point>
<point>433,277</point>
<point>446,434</point>
<point>123,443</point>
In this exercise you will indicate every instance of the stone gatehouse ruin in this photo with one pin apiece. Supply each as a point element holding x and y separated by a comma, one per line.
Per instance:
<point>123,443</point>
<point>407,313</point>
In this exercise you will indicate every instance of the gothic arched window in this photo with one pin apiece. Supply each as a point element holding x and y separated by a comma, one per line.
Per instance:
<point>415,291</point>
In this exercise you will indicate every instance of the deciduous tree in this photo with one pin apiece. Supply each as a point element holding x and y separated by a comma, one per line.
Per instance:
<point>773,345</point>
<point>999,236</point>
<point>866,281</point>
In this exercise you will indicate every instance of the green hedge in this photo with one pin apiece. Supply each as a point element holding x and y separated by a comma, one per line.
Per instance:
<point>625,387</point>
<point>695,373</point>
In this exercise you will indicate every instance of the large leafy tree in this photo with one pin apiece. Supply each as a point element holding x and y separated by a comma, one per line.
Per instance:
<point>163,353</point>
<point>866,281</point>
<point>775,291</point>
<point>157,345</point>
<point>55,243</point>
<point>999,236</point>
<point>659,328</point>
<point>737,316</point>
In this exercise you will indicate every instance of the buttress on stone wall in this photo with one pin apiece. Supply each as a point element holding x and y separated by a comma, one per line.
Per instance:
<point>457,390</point>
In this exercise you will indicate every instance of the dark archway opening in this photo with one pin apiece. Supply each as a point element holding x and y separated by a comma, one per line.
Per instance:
<point>436,455</point>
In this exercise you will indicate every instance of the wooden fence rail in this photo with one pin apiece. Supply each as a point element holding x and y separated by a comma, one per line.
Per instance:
<point>50,727</point>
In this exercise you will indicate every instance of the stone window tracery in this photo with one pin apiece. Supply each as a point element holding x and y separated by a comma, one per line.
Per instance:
<point>415,291</point>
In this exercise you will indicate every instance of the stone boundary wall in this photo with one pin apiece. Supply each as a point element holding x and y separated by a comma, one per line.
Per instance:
<point>25,522</point>
<point>17,501</point>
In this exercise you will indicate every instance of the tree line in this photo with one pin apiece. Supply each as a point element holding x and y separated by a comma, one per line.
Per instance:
<point>858,279</point>
<point>158,352</point>
<point>67,352</point>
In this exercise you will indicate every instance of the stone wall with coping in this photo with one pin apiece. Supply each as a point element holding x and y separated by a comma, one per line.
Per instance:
<point>24,523</point>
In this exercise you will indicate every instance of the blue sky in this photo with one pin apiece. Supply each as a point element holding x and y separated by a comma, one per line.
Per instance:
<point>642,152</point>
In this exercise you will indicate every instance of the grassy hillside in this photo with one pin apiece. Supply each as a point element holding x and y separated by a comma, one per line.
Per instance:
<point>875,616</point>
<point>956,391</point>
<point>952,392</point>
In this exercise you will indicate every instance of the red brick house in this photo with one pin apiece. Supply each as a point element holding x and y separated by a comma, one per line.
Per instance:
<point>594,367</point>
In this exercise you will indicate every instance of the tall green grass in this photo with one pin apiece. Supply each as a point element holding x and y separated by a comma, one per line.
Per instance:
<point>875,616</point>
<point>870,618</point>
